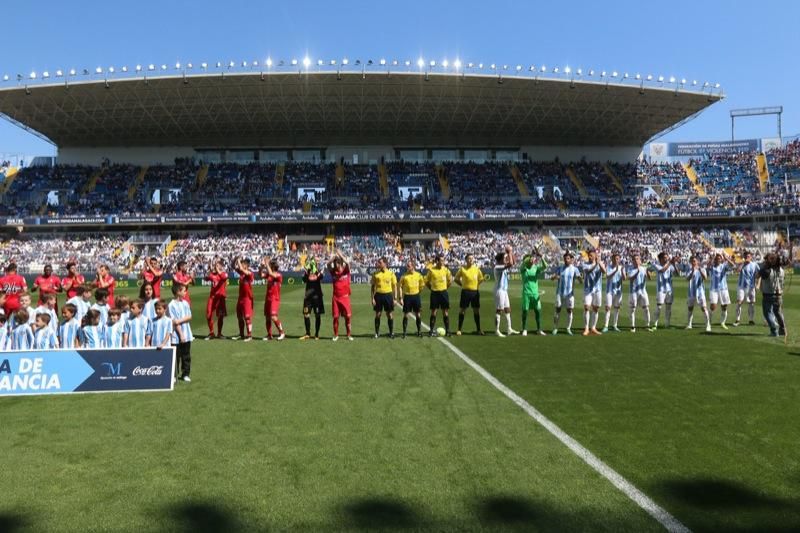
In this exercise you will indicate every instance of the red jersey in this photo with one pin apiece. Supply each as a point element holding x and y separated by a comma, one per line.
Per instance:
<point>72,284</point>
<point>111,283</point>
<point>341,282</point>
<point>13,285</point>
<point>154,280</point>
<point>47,285</point>
<point>219,284</point>
<point>274,287</point>
<point>245,285</point>
<point>183,279</point>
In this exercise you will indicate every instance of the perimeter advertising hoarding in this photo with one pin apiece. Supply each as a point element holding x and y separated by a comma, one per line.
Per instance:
<point>700,149</point>
<point>67,371</point>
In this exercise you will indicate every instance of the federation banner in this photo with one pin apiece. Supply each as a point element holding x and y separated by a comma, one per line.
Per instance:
<point>86,370</point>
<point>700,149</point>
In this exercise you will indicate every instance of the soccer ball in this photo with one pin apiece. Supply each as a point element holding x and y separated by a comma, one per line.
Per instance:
<point>441,331</point>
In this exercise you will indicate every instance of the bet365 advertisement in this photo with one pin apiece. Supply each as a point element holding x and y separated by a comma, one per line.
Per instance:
<point>74,371</point>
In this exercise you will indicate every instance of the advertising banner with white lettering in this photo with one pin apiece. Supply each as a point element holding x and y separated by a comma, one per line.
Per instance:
<point>86,370</point>
<point>700,149</point>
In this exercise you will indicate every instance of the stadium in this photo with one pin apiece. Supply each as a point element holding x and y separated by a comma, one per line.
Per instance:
<point>414,293</point>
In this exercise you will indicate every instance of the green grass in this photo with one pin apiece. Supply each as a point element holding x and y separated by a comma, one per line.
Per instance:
<point>373,434</point>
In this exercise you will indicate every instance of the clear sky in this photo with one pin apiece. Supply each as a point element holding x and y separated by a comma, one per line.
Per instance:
<point>751,48</point>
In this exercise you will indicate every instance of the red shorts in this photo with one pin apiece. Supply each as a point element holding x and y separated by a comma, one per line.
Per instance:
<point>244,308</point>
<point>271,307</point>
<point>216,306</point>
<point>341,306</point>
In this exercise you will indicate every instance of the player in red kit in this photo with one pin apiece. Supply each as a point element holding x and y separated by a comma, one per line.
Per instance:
<point>73,281</point>
<point>184,277</point>
<point>340,272</point>
<point>272,304</point>
<point>105,281</point>
<point>12,285</point>
<point>244,305</point>
<point>216,298</point>
<point>153,274</point>
<point>46,284</point>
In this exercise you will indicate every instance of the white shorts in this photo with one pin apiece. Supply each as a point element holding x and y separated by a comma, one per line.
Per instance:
<point>501,300</point>
<point>565,301</point>
<point>696,299</point>
<point>593,299</point>
<point>639,299</point>
<point>746,295</point>
<point>719,297</point>
<point>664,298</point>
<point>613,299</point>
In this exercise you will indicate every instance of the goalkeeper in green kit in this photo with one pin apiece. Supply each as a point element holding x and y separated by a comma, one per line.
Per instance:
<point>531,272</point>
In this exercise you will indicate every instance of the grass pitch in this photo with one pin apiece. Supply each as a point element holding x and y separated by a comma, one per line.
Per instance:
<point>401,434</point>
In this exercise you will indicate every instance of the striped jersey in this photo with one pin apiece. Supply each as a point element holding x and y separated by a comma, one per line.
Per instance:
<point>162,329</point>
<point>44,310</point>
<point>719,277</point>
<point>113,334</point>
<point>103,310</point>
<point>638,279</point>
<point>179,309</point>
<point>696,283</point>
<point>93,336</point>
<point>5,339</point>
<point>566,279</point>
<point>69,332</point>
<point>592,278</point>
<point>614,280</point>
<point>149,309</point>
<point>138,329</point>
<point>22,337</point>
<point>501,278</point>
<point>747,275</point>
<point>664,277</point>
<point>44,339</point>
<point>81,305</point>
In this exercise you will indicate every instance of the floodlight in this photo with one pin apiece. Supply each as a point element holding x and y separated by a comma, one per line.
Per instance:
<point>716,85</point>
<point>164,67</point>
<point>493,66</point>
<point>519,67</point>
<point>306,61</point>
<point>320,62</point>
<point>408,63</point>
<point>383,62</point>
<point>672,79</point>
<point>111,70</point>
<point>269,61</point>
<point>59,73</point>
<point>358,62</point>
<point>591,72</point>
<point>86,72</point>
<point>532,68</point>
<point>177,65</point>
<point>5,77</point>
<point>45,74</point>
<point>395,62</point>
<point>457,64</point>
<point>626,76</point>
<point>219,64</point>
<point>543,68</point>
<point>480,66</point>
<point>567,70</point>
<point>649,77</point>
<point>694,82</point>
<point>72,72</point>
<point>33,75</point>
<point>705,84</point>
<point>244,64</point>
<point>638,76</point>
<point>294,62</point>
<point>99,70</point>
<point>505,67</point>
<point>124,69</point>
<point>445,63</point>
<point>432,63</point>
<point>555,70</point>
<point>189,65</point>
<point>603,74</point>
<point>231,64</point>
<point>661,79</point>
<point>204,65</point>
<point>333,61</point>
<point>614,74</point>
<point>470,65</point>
<point>345,61</point>
<point>579,72</point>
<point>683,81</point>
<point>420,62</point>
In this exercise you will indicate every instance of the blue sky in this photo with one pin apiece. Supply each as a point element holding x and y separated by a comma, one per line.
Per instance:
<point>750,48</point>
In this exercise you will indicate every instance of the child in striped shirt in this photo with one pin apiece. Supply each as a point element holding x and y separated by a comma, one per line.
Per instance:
<point>162,327</point>
<point>146,294</point>
<point>123,304</point>
<point>101,305</point>
<point>5,338</point>
<point>49,308</point>
<point>22,334</point>
<point>138,328</point>
<point>92,332</point>
<point>43,336</point>
<point>181,315</point>
<point>115,330</point>
<point>69,330</point>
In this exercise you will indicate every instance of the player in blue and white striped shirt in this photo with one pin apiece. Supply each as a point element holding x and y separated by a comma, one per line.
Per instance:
<point>138,328</point>
<point>93,332</point>
<point>565,291</point>
<point>69,330</point>
<point>81,303</point>
<point>593,271</point>
<point>101,305</point>
<point>162,327</point>
<point>746,289</point>
<point>43,336</point>
<point>182,337</point>
<point>147,295</point>
<point>697,292</point>
<point>22,334</point>
<point>638,275</point>
<point>719,286</point>
<point>5,337</point>
<point>664,269</point>
<point>615,275</point>
<point>115,329</point>
<point>49,308</point>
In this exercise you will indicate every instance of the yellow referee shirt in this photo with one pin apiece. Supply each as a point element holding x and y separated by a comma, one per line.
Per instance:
<point>412,283</point>
<point>470,277</point>
<point>384,282</point>
<point>439,278</point>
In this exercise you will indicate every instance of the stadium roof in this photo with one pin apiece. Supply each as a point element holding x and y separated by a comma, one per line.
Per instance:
<point>319,109</point>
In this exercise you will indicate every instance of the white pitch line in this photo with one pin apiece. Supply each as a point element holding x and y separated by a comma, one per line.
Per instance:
<point>661,515</point>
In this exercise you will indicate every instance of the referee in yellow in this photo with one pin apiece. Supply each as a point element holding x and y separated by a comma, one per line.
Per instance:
<point>438,280</point>
<point>411,285</point>
<point>469,277</point>
<point>383,289</point>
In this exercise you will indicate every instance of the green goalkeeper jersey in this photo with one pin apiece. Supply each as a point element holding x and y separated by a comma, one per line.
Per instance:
<point>531,274</point>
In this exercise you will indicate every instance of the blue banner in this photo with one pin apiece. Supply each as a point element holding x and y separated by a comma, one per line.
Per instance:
<point>699,149</point>
<point>69,371</point>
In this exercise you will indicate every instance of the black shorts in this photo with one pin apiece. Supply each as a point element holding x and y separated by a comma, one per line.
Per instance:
<point>412,303</point>
<point>384,302</point>
<point>315,304</point>
<point>470,299</point>
<point>440,300</point>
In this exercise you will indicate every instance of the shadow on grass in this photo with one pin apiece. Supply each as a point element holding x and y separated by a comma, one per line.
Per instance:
<point>720,494</point>
<point>203,517</point>
<point>12,522</point>
<point>510,510</point>
<point>382,513</point>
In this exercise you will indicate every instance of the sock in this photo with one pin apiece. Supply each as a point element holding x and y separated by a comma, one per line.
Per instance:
<point>269,328</point>
<point>708,316</point>
<point>219,326</point>
<point>586,318</point>
<point>241,326</point>
<point>556,316</point>
<point>377,324</point>
<point>569,319</point>
<point>249,322</point>
<point>497,321</point>
<point>307,323</point>
<point>210,326</point>
<point>347,321</point>
<point>658,313</point>
<point>419,324</point>
<point>633,317</point>
<point>724,315</point>
<point>538,315</point>
<point>595,318</point>
<point>317,324</point>
<point>616,316</point>
<point>447,323</point>
<point>751,311</point>
<point>738,312</point>
<point>477,321</point>
<point>608,318</point>
<point>279,326</point>
<point>524,320</point>
<point>433,322</point>
<point>667,315</point>
<point>508,322</point>
<point>336,327</point>
<point>647,317</point>
<point>390,320</point>
<point>460,321</point>
<point>691,315</point>
<point>405,324</point>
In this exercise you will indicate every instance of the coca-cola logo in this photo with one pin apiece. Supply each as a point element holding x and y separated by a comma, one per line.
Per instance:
<point>155,370</point>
